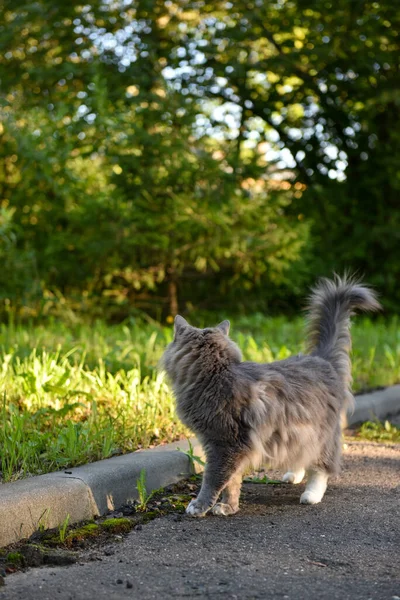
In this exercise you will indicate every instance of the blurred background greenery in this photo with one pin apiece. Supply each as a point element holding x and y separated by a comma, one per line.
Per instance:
<point>158,156</point>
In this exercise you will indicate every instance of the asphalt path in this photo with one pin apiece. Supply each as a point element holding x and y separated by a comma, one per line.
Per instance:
<point>347,547</point>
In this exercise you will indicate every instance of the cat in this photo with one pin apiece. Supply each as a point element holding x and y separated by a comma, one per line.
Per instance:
<point>287,413</point>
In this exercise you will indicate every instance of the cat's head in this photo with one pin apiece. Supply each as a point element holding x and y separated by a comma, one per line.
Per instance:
<point>195,350</point>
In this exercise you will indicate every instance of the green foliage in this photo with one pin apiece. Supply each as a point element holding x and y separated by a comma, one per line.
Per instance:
<point>160,155</point>
<point>320,78</point>
<point>376,431</point>
<point>86,401</point>
<point>77,394</point>
<point>155,151</point>
<point>128,198</point>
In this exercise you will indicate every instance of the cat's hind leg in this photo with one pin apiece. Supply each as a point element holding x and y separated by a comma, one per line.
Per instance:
<point>294,476</point>
<point>328,464</point>
<point>316,486</point>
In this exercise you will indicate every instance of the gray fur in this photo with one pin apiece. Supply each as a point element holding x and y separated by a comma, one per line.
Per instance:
<point>287,412</point>
<point>330,307</point>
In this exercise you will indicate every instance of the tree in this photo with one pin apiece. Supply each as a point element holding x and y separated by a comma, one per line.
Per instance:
<point>117,190</point>
<point>323,80</point>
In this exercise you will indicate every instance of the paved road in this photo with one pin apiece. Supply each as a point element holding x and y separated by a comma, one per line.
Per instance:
<point>348,547</point>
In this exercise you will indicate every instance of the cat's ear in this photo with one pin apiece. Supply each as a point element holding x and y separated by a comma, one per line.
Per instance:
<point>224,327</point>
<point>180,324</point>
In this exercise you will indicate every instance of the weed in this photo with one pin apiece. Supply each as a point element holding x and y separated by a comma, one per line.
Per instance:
<point>43,520</point>
<point>192,457</point>
<point>63,529</point>
<point>144,497</point>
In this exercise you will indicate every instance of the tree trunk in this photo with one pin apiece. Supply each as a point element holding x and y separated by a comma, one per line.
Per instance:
<point>173,297</point>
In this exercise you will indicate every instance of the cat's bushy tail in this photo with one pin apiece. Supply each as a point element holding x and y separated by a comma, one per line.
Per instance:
<point>330,307</point>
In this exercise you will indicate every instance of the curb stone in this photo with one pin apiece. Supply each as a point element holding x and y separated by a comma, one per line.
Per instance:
<point>375,405</point>
<point>89,491</point>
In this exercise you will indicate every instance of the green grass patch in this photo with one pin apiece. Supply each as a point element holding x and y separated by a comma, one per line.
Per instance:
<point>75,394</point>
<point>375,431</point>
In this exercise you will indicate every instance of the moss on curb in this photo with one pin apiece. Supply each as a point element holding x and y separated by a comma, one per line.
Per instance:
<point>15,558</point>
<point>118,525</point>
<point>82,533</point>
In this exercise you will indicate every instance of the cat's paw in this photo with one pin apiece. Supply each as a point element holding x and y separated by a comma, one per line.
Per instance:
<point>293,476</point>
<point>309,497</point>
<point>196,509</point>
<point>224,509</point>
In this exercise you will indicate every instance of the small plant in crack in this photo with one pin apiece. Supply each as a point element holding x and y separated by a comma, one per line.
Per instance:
<point>193,458</point>
<point>62,530</point>
<point>144,497</point>
<point>43,521</point>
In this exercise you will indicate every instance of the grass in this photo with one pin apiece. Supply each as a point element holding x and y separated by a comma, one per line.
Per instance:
<point>375,431</point>
<point>192,457</point>
<point>144,496</point>
<point>74,394</point>
<point>263,480</point>
<point>62,530</point>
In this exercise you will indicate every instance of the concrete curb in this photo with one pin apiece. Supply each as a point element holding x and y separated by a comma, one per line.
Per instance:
<point>88,491</point>
<point>375,405</point>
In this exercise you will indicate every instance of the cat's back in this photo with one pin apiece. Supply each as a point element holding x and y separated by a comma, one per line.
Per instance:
<point>299,368</point>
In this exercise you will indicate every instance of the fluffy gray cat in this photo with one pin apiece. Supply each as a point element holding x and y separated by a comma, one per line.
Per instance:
<point>287,413</point>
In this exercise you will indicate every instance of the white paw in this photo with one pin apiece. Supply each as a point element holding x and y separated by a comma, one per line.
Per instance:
<point>195,509</point>
<point>293,477</point>
<point>310,498</point>
<point>224,509</point>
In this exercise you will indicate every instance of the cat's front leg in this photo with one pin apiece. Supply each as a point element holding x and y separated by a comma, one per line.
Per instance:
<point>229,504</point>
<point>197,508</point>
<point>222,463</point>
